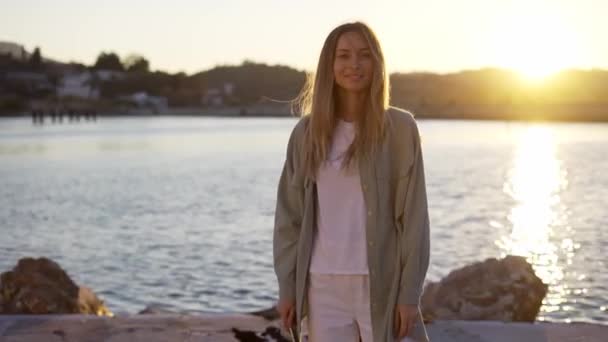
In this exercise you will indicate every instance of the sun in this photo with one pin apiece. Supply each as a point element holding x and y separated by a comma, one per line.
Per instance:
<point>535,44</point>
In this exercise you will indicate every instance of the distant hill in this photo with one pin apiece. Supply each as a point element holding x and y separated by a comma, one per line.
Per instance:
<point>15,50</point>
<point>253,81</point>
<point>498,94</point>
<point>489,93</point>
<point>18,52</point>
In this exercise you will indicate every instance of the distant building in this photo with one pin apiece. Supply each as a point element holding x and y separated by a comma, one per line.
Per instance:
<point>32,81</point>
<point>86,84</point>
<point>213,97</point>
<point>108,75</point>
<point>143,100</point>
<point>78,85</point>
<point>228,88</point>
<point>217,96</point>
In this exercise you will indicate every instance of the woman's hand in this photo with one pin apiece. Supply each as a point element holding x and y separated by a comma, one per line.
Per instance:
<point>405,318</point>
<point>287,311</point>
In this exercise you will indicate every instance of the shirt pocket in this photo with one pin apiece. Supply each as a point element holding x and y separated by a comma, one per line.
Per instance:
<point>392,180</point>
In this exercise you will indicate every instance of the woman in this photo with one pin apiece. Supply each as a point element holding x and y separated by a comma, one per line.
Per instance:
<point>351,236</point>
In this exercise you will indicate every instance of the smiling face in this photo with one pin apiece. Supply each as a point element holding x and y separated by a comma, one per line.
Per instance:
<point>353,62</point>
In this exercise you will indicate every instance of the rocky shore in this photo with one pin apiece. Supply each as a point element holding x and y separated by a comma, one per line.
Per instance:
<point>493,300</point>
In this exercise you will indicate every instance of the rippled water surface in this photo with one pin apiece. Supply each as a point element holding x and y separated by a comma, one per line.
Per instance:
<point>179,211</point>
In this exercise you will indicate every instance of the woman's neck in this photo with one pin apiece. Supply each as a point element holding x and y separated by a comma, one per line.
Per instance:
<point>350,105</point>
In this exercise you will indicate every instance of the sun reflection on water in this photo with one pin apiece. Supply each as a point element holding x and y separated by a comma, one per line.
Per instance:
<point>535,183</point>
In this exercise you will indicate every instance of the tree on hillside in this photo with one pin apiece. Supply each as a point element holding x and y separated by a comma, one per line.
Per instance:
<point>36,59</point>
<point>136,63</point>
<point>108,61</point>
<point>252,82</point>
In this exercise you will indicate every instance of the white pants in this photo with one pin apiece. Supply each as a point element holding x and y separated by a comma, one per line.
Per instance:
<point>339,309</point>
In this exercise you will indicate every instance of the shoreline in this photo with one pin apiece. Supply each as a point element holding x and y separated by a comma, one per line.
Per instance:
<point>218,327</point>
<point>290,116</point>
<point>531,112</point>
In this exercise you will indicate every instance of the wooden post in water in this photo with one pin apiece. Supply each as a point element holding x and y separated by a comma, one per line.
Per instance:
<point>56,114</point>
<point>34,116</point>
<point>53,115</point>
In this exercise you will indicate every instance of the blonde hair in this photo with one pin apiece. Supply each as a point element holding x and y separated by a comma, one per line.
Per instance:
<point>317,101</point>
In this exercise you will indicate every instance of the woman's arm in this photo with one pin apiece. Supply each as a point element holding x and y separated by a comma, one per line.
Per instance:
<point>415,235</point>
<point>288,217</point>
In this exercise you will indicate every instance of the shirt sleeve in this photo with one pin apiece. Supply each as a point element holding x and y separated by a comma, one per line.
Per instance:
<point>415,230</point>
<point>288,218</point>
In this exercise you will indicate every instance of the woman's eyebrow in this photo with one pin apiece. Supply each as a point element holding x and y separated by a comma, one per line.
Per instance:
<point>348,50</point>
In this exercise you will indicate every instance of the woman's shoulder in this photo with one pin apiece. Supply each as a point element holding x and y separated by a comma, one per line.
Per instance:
<point>298,131</point>
<point>299,128</point>
<point>403,138</point>
<point>401,123</point>
<point>302,123</point>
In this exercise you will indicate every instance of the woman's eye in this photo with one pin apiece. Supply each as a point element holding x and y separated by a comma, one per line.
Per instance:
<point>342,56</point>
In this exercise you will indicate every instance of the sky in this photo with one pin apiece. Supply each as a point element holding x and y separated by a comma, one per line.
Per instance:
<point>536,37</point>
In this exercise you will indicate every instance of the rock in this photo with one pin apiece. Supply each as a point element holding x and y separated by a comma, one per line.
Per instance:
<point>155,309</point>
<point>506,289</point>
<point>270,314</point>
<point>270,334</point>
<point>41,286</point>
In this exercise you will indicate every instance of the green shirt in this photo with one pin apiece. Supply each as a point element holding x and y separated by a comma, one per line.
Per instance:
<point>397,227</point>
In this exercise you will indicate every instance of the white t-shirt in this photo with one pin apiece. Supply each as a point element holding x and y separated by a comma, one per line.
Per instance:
<point>340,241</point>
